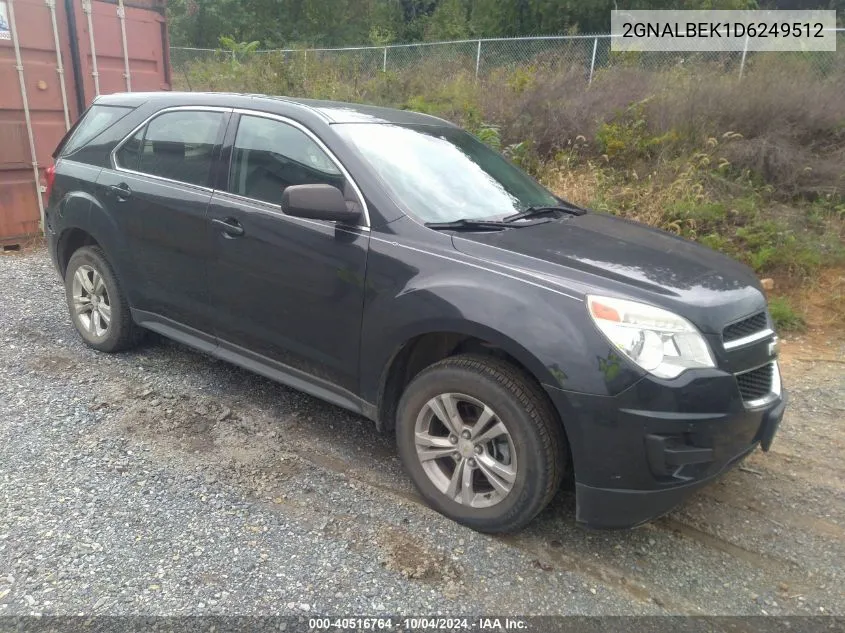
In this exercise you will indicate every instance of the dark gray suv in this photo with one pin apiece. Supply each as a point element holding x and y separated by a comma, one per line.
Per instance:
<point>390,263</point>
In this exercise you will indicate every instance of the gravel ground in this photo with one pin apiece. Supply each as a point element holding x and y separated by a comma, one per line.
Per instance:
<point>162,481</point>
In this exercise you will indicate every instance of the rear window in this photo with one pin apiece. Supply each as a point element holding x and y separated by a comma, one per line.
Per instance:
<point>96,119</point>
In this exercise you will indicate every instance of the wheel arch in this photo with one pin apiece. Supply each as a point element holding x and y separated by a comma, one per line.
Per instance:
<point>424,345</point>
<point>85,221</point>
<point>70,241</point>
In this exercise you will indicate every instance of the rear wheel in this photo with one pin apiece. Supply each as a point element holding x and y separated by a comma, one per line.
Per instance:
<point>98,307</point>
<point>480,442</point>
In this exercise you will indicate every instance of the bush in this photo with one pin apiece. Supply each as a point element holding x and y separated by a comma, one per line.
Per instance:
<point>755,169</point>
<point>783,126</point>
<point>784,315</point>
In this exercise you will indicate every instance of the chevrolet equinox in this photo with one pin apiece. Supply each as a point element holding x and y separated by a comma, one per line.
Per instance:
<point>392,264</point>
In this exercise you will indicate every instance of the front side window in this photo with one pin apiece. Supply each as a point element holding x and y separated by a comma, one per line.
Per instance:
<point>270,156</point>
<point>442,174</point>
<point>175,145</point>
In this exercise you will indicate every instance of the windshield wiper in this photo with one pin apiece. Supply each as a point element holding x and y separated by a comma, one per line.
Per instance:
<point>532,212</point>
<point>475,225</point>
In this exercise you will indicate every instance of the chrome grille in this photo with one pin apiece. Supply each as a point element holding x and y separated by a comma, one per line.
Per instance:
<point>756,383</point>
<point>746,327</point>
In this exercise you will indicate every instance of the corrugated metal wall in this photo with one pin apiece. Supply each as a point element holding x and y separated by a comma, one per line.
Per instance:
<point>87,66</point>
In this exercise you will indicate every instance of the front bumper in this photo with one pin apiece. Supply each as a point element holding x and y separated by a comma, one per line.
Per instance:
<point>638,455</point>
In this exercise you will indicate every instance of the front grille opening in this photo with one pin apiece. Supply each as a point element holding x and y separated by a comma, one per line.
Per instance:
<point>747,326</point>
<point>756,383</point>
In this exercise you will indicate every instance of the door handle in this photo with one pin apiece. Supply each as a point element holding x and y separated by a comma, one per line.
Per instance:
<point>121,191</point>
<point>230,226</point>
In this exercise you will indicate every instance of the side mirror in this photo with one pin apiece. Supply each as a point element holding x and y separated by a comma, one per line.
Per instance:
<point>317,202</point>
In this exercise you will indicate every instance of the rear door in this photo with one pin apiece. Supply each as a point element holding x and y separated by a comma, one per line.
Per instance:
<point>158,193</point>
<point>286,291</point>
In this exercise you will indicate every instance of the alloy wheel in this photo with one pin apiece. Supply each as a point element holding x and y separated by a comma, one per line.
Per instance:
<point>466,450</point>
<point>91,304</point>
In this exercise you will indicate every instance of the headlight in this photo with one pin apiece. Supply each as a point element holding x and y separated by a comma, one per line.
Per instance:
<point>659,341</point>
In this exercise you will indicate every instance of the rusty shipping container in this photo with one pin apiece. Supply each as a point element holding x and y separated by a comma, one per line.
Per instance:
<point>56,56</point>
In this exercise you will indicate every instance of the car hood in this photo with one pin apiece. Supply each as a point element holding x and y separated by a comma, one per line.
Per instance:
<point>599,253</point>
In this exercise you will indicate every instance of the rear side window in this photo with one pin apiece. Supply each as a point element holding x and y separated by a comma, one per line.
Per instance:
<point>98,118</point>
<point>129,153</point>
<point>175,145</point>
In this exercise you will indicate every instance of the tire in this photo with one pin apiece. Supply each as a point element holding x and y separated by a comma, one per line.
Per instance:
<point>96,302</point>
<point>531,456</point>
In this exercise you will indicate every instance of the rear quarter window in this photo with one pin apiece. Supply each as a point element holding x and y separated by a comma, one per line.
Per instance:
<point>96,119</point>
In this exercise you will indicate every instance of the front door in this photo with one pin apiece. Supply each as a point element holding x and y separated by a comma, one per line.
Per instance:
<point>158,195</point>
<point>287,292</point>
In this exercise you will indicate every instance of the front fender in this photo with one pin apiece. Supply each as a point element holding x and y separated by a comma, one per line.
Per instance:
<point>413,292</point>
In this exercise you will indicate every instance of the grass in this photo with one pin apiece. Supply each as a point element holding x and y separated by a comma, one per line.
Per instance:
<point>786,318</point>
<point>755,169</point>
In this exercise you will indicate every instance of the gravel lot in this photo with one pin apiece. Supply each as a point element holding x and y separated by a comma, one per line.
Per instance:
<point>162,481</point>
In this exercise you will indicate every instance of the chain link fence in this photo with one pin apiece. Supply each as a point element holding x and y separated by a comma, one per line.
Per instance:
<point>589,54</point>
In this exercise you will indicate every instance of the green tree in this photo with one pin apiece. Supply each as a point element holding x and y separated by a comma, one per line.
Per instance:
<point>286,23</point>
<point>448,22</point>
<point>240,49</point>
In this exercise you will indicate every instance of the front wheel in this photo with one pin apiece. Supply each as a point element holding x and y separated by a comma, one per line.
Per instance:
<point>481,442</point>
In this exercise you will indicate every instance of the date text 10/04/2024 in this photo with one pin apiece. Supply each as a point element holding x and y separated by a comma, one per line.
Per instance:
<point>418,624</point>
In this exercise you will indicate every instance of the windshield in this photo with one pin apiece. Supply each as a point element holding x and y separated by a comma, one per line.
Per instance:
<point>442,174</point>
